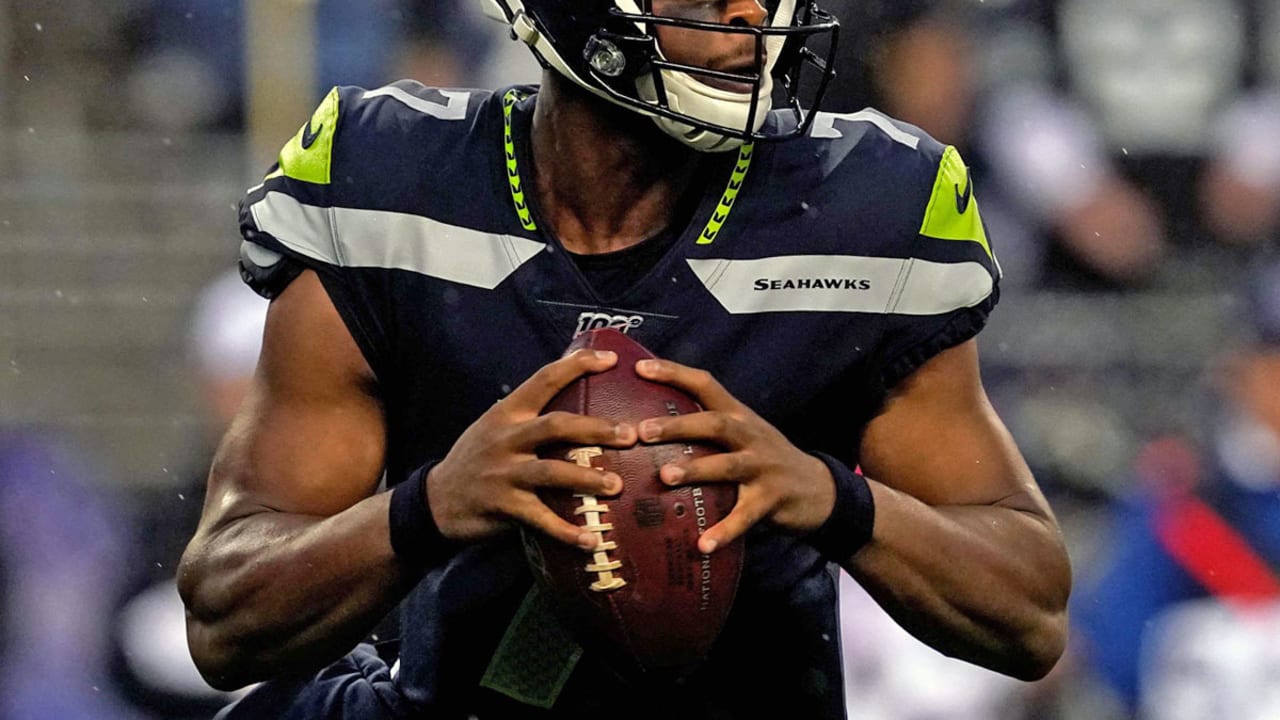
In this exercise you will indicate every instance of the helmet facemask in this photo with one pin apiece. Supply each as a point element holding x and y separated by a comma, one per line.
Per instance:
<point>611,48</point>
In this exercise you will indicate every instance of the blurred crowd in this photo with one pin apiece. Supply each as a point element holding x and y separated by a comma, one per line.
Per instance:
<point>1119,148</point>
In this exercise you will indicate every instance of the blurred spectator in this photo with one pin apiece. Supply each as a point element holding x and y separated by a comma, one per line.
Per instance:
<point>154,664</point>
<point>1118,130</point>
<point>1173,96</point>
<point>189,69</point>
<point>1181,621</point>
<point>447,43</point>
<point>63,555</point>
<point>1179,88</point>
<point>977,76</point>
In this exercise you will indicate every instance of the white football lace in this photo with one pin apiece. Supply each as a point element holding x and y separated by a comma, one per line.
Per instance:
<point>602,565</point>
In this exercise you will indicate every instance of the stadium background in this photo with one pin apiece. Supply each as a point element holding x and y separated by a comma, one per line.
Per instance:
<point>129,128</point>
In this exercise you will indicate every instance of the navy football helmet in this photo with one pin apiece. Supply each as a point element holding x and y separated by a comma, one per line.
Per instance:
<point>610,47</point>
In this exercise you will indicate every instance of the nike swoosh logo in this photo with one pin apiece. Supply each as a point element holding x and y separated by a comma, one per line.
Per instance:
<point>963,199</point>
<point>308,137</point>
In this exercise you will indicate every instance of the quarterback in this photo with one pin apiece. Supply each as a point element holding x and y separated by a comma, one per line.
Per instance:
<point>815,281</point>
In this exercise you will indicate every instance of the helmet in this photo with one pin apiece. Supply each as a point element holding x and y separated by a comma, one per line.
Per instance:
<point>610,47</point>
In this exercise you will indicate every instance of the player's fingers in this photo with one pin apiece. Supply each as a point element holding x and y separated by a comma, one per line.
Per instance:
<point>699,383</point>
<point>535,514</point>
<point>724,429</point>
<point>749,510</point>
<point>534,393</point>
<point>717,468</point>
<point>573,429</point>
<point>570,474</point>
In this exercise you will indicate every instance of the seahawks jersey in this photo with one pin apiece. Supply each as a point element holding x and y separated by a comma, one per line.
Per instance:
<point>814,276</point>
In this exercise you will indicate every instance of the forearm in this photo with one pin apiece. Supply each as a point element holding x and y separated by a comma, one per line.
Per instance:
<point>273,592</point>
<point>987,584</point>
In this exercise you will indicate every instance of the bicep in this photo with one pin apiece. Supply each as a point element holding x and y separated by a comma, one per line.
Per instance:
<point>310,437</point>
<point>939,440</point>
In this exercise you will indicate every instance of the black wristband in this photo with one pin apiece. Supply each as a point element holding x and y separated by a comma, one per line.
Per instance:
<point>849,526</point>
<point>414,536</point>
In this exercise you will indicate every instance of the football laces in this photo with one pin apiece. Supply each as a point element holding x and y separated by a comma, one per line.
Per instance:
<point>601,564</point>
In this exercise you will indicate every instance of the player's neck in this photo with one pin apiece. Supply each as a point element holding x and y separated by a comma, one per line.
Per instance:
<point>606,178</point>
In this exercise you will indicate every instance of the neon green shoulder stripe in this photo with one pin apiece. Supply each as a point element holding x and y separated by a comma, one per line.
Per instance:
<point>953,211</point>
<point>309,155</point>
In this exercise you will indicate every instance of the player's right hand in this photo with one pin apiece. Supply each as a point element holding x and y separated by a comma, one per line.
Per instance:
<point>490,476</point>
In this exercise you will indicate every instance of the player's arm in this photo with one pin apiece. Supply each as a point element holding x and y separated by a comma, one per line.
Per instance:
<point>965,552</point>
<point>292,563</point>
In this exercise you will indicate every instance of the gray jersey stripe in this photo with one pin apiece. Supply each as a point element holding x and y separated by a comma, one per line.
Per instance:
<point>388,240</point>
<point>842,283</point>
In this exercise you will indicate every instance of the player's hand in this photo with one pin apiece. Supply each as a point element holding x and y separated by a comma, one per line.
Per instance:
<point>777,481</point>
<point>490,476</point>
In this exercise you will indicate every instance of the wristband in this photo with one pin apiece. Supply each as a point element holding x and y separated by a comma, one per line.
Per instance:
<point>849,526</point>
<point>414,536</point>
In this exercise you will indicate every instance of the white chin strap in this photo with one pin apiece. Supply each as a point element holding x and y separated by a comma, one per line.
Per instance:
<point>685,93</point>
<point>689,96</point>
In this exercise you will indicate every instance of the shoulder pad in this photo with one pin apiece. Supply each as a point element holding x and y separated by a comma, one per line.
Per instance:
<point>308,157</point>
<point>952,212</point>
<point>361,117</point>
<point>266,271</point>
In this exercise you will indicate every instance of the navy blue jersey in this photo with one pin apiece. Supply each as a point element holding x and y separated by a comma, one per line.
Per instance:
<point>814,275</point>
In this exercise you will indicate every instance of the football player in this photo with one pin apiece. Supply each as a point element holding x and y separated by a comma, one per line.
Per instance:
<point>815,281</point>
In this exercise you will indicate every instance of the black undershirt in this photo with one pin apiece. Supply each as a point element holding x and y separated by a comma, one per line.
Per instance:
<point>611,274</point>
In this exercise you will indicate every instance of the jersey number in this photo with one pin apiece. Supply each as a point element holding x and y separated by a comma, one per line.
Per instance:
<point>442,104</point>
<point>824,126</point>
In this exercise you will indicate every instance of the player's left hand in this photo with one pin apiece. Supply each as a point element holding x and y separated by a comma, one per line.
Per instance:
<point>777,481</point>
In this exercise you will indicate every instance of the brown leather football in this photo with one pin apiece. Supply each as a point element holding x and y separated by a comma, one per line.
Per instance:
<point>647,590</point>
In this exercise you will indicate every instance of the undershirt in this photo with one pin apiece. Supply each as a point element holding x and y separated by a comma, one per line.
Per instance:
<point>611,274</point>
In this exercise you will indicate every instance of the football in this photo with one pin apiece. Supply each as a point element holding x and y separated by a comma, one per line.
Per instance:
<point>646,591</point>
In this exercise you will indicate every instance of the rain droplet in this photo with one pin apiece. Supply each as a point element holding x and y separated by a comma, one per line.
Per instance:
<point>181,496</point>
<point>40,28</point>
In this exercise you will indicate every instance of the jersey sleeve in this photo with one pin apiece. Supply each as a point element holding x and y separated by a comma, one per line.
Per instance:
<point>950,283</point>
<point>288,224</point>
